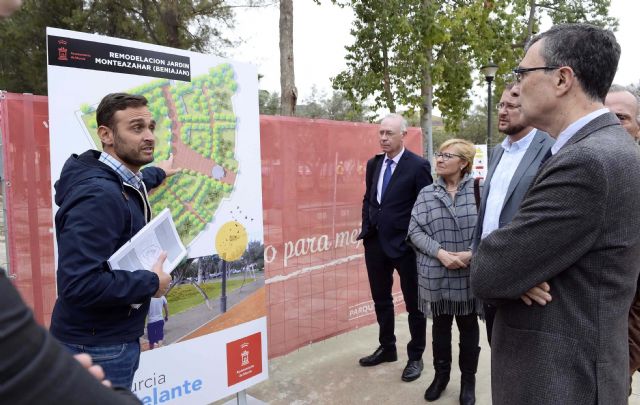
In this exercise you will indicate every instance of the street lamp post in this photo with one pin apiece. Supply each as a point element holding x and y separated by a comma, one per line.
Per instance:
<point>489,72</point>
<point>223,292</point>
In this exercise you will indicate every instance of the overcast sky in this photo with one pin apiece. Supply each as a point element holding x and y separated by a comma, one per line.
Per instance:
<point>321,33</point>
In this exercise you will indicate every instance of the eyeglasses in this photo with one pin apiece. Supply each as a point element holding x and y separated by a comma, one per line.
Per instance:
<point>507,106</point>
<point>446,156</point>
<point>519,72</point>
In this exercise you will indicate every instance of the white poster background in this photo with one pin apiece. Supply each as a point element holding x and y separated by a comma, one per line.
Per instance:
<point>201,359</point>
<point>480,162</point>
<point>71,87</point>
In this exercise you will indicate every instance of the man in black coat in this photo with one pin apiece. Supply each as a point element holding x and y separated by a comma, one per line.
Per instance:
<point>103,203</point>
<point>34,368</point>
<point>393,181</point>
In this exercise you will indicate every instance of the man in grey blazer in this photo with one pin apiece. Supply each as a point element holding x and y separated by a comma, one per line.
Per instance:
<point>577,229</point>
<point>512,167</point>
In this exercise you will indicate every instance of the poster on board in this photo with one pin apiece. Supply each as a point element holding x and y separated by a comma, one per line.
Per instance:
<point>206,113</point>
<point>480,162</point>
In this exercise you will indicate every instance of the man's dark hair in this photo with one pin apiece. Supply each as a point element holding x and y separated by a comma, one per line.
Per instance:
<point>591,52</point>
<point>114,102</point>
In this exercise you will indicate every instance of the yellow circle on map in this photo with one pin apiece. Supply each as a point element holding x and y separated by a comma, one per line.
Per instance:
<point>231,241</point>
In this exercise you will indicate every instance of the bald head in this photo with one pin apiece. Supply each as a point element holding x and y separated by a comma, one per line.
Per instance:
<point>626,107</point>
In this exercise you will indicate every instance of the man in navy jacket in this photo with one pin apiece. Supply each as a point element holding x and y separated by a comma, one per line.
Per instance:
<point>103,203</point>
<point>393,181</point>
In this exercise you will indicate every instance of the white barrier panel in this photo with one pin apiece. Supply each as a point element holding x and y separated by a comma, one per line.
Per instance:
<point>194,372</point>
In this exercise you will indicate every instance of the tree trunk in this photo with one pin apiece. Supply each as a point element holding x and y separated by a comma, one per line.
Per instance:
<point>426,110</point>
<point>387,80</point>
<point>531,22</point>
<point>200,272</point>
<point>288,91</point>
<point>426,90</point>
<point>169,18</point>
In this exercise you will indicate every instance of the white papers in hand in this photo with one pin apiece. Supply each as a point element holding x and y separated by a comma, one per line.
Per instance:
<point>142,251</point>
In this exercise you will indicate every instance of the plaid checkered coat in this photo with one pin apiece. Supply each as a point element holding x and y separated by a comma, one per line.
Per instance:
<point>437,222</point>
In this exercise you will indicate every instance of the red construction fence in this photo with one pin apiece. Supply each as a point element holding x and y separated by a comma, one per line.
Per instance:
<point>27,199</point>
<point>312,187</point>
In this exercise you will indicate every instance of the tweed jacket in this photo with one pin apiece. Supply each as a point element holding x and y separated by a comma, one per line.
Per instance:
<point>577,228</point>
<point>437,222</point>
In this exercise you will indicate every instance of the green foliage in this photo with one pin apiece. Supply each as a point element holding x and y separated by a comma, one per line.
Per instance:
<point>86,108</point>
<point>157,106</point>
<point>193,195</point>
<point>474,127</point>
<point>192,198</point>
<point>254,254</point>
<point>438,133</point>
<point>186,296</point>
<point>198,25</point>
<point>594,12</point>
<point>205,119</point>
<point>409,52</point>
<point>337,107</point>
<point>22,61</point>
<point>404,50</point>
<point>268,103</point>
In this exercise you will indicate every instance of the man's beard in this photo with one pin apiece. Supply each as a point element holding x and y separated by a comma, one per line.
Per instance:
<point>513,129</point>
<point>129,157</point>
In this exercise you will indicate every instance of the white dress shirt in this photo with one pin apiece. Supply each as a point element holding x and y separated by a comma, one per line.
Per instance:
<point>396,159</point>
<point>501,178</point>
<point>571,130</point>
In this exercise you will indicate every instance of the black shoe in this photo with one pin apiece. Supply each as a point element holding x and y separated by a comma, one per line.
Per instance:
<point>439,383</point>
<point>467,389</point>
<point>412,370</point>
<point>468,366</point>
<point>379,356</point>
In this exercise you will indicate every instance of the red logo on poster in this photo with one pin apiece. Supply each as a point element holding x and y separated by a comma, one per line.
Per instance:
<point>244,358</point>
<point>62,50</point>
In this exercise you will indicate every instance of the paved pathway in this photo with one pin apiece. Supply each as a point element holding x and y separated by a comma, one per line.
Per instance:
<point>328,373</point>
<point>181,324</point>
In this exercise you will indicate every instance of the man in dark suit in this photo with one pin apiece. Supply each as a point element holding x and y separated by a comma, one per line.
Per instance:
<point>512,167</point>
<point>393,181</point>
<point>577,229</point>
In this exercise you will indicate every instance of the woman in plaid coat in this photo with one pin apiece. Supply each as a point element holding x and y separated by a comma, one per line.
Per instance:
<point>441,231</point>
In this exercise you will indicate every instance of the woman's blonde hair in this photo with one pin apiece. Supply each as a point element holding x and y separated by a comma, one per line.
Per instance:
<point>463,148</point>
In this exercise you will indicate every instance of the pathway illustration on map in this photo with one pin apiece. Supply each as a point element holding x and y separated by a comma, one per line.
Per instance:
<point>195,121</point>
